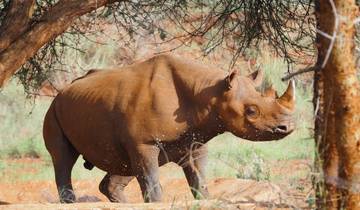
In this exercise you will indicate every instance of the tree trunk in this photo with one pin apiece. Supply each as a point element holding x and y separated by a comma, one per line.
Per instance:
<point>52,23</point>
<point>326,158</point>
<point>339,142</point>
<point>318,102</point>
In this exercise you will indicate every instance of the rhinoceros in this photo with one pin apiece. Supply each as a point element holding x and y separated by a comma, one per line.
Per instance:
<point>131,120</point>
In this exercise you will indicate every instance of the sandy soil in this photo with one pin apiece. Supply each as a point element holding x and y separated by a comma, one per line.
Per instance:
<point>228,192</point>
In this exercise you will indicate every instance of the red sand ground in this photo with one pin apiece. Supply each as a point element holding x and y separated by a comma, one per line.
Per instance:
<point>229,190</point>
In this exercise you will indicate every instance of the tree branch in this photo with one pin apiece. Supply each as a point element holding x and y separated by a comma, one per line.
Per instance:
<point>54,22</point>
<point>16,21</point>
<point>301,71</point>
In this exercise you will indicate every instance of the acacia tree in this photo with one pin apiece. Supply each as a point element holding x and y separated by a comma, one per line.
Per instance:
<point>26,26</point>
<point>337,94</point>
<point>34,33</point>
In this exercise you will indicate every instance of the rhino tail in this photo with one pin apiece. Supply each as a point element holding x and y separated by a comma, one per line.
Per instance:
<point>88,165</point>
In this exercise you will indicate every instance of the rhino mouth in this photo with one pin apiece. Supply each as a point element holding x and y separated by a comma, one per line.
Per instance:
<point>278,132</point>
<point>282,129</point>
<point>269,134</point>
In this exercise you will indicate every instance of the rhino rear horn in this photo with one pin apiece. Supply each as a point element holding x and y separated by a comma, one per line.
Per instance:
<point>270,92</point>
<point>288,98</point>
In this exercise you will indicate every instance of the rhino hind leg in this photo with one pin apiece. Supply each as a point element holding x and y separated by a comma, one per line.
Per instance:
<point>112,186</point>
<point>194,170</point>
<point>63,164</point>
<point>63,155</point>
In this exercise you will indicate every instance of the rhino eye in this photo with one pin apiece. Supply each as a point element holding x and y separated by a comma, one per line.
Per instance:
<point>252,111</point>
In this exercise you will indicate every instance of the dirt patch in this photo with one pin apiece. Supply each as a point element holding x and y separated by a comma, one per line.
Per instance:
<point>225,191</point>
<point>228,191</point>
<point>205,204</point>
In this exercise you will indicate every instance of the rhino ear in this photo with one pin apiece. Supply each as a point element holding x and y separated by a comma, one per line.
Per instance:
<point>257,77</point>
<point>229,80</point>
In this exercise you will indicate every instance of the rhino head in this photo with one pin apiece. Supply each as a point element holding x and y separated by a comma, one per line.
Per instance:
<point>256,116</point>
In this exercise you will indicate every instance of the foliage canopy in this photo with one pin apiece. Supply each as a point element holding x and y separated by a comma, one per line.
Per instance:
<point>287,26</point>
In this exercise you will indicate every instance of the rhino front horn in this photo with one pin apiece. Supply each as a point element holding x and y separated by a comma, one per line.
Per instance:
<point>288,98</point>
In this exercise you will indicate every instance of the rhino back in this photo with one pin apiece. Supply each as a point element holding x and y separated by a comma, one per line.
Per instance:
<point>103,115</point>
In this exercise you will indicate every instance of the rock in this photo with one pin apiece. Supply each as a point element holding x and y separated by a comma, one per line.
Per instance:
<point>245,191</point>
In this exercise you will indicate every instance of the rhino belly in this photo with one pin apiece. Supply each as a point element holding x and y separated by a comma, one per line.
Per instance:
<point>104,154</point>
<point>92,133</point>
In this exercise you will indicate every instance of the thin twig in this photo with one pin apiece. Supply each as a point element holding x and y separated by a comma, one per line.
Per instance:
<point>301,71</point>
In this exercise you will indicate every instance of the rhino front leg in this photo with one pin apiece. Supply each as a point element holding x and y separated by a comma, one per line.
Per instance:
<point>145,166</point>
<point>194,169</point>
<point>112,186</point>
